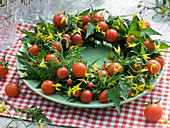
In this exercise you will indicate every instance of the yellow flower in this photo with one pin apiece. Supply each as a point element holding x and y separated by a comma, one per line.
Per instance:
<point>24,74</point>
<point>119,18</point>
<point>69,92</point>
<point>103,33</point>
<point>95,68</point>
<point>57,85</point>
<point>133,44</point>
<point>145,57</point>
<point>92,39</point>
<point>138,88</point>
<point>134,15</point>
<point>39,124</point>
<point>3,108</point>
<point>87,76</point>
<point>32,63</point>
<point>117,50</point>
<point>144,70</point>
<point>117,27</point>
<point>82,80</point>
<point>141,24</point>
<point>164,10</point>
<point>75,88</point>
<point>150,88</point>
<point>71,48</point>
<point>130,77</point>
<point>42,64</point>
<point>98,28</point>
<point>60,12</point>
<point>64,19</point>
<point>77,18</point>
<point>165,120</point>
<point>77,31</point>
<point>136,59</point>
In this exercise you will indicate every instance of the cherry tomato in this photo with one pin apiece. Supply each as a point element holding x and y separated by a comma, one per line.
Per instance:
<point>69,81</point>
<point>77,38</point>
<point>47,87</point>
<point>149,44</point>
<point>135,38</point>
<point>97,17</point>
<point>153,112</point>
<point>153,66</point>
<point>105,66</point>
<point>90,84</point>
<point>160,60</point>
<point>103,25</point>
<point>12,89</point>
<point>86,96</point>
<point>77,93</point>
<point>33,49</point>
<point>102,72</point>
<point>79,69</point>
<point>114,67</point>
<point>51,57</point>
<point>111,35</point>
<point>103,97</point>
<point>57,20</point>
<point>85,29</point>
<point>71,43</point>
<point>147,24</point>
<point>57,45</point>
<point>3,71</point>
<point>62,73</point>
<point>86,19</point>
<point>136,67</point>
<point>129,93</point>
<point>66,36</point>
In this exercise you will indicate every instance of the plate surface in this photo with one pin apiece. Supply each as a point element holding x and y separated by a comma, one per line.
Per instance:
<point>89,54</point>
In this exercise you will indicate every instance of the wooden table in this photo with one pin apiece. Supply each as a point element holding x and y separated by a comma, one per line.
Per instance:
<point>116,7</point>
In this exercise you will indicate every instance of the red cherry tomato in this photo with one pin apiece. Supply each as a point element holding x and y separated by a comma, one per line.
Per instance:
<point>136,67</point>
<point>111,35</point>
<point>3,71</point>
<point>33,49</point>
<point>47,87</point>
<point>103,97</point>
<point>85,29</point>
<point>77,93</point>
<point>57,20</point>
<point>114,67</point>
<point>69,81</point>
<point>51,57</point>
<point>86,96</point>
<point>129,93</point>
<point>105,66</point>
<point>90,84</point>
<point>79,69</point>
<point>131,37</point>
<point>160,60</point>
<point>97,17</point>
<point>86,19</point>
<point>149,44</point>
<point>153,66</point>
<point>62,73</point>
<point>12,90</point>
<point>103,25</point>
<point>71,43</point>
<point>153,112</point>
<point>57,45</point>
<point>76,39</point>
<point>102,72</point>
<point>147,24</point>
<point>66,36</point>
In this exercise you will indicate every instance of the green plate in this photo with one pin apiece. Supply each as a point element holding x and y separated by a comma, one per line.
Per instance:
<point>90,54</point>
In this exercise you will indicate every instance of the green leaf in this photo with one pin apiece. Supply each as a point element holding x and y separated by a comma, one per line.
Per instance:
<point>134,32</point>
<point>164,45</point>
<point>113,96</point>
<point>142,49</point>
<point>90,29</point>
<point>135,25</point>
<point>84,12</point>
<point>31,34</point>
<point>149,31</point>
<point>44,118</point>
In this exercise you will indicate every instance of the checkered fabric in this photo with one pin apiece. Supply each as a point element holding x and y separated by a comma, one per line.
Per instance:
<point>62,115</point>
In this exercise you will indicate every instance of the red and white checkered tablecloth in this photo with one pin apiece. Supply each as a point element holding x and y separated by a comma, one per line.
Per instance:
<point>131,113</point>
